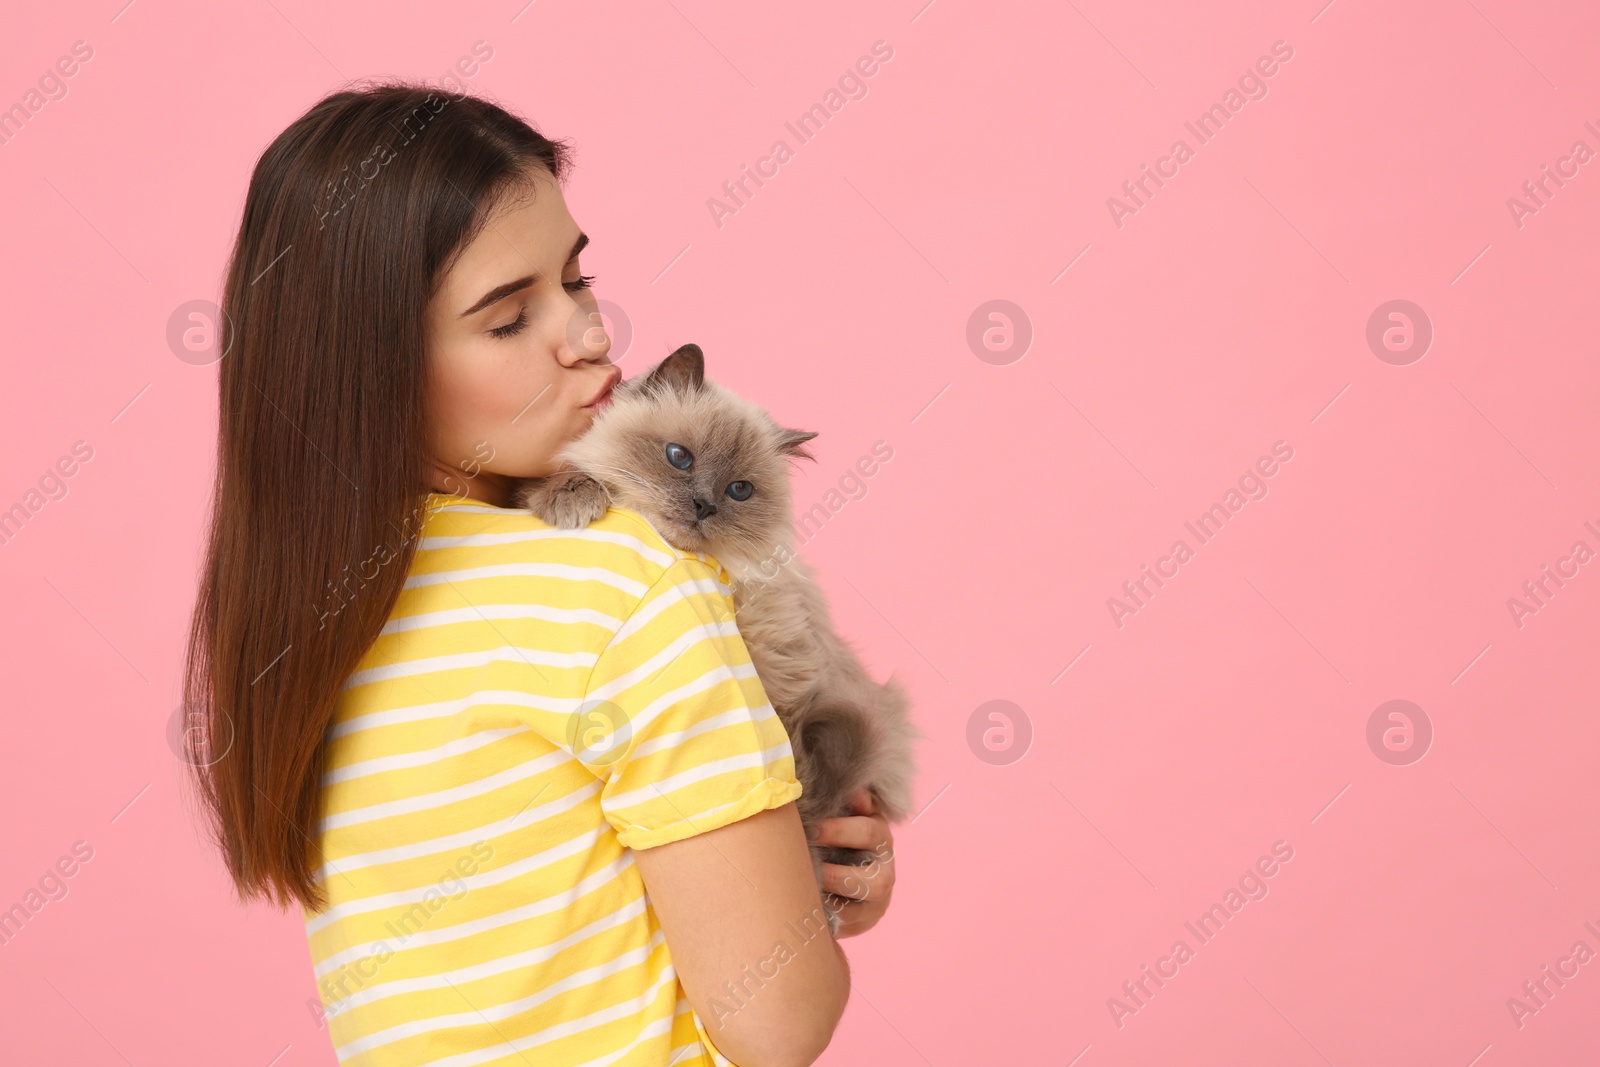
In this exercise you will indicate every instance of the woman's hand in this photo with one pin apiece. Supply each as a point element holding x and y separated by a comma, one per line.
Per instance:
<point>860,893</point>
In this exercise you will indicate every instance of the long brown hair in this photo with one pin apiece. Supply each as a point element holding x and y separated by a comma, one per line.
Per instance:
<point>353,216</point>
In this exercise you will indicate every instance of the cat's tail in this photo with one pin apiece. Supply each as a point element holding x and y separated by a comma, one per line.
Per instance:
<point>834,747</point>
<point>897,763</point>
<point>864,741</point>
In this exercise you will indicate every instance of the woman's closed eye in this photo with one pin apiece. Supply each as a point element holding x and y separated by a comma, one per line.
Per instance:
<point>515,326</point>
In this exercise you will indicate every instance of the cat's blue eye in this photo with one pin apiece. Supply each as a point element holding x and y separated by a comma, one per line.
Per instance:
<point>679,456</point>
<point>740,490</point>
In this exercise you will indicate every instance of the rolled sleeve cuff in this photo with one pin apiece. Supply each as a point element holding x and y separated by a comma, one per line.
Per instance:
<point>770,793</point>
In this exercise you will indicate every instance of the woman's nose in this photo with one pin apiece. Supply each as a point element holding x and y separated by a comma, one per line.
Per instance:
<point>587,337</point>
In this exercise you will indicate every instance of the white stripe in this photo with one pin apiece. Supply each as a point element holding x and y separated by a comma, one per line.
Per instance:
<point>588,976</point>
<point>653,554</point>
<point>695,1047</point>
<point>716,570</point>
<point>559,901</point>
<point>445,708</point>
<point>678,594</point>
<point>463,660</point>
<point>471,509</point>
<point>741,714</point>
<point>360,905</point>
<point>617,805</point>
<point>618,628</point>
<point>441,797</point>
<point>530,570</point>
<point>437,709</point>
<point>684,641</point>
<point>710,813</point>
<point>417,849</point>
<point>420,759</point>
<point>642,517</point>
<point>499,611</point>
<point>634,1006</point>
<point>722,672</point>
<point>684,1052</point>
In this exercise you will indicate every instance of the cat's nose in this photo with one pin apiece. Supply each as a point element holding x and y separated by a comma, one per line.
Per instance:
<point>702,508</point>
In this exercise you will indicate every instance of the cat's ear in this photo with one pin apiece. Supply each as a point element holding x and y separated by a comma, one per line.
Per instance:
<point>685,370</point>
<point>792,442</point>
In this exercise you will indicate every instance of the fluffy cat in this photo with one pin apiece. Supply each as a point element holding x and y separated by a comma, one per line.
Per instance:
<point>709,470</point>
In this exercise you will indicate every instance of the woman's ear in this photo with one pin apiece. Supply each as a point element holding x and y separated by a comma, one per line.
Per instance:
<point>792,442</point>
<point>685,370</point>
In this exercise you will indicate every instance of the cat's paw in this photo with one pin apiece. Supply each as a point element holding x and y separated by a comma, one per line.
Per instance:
<point>569,499</point>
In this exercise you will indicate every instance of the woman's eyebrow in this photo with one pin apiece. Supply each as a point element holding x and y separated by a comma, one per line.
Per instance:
<point>500,292</point>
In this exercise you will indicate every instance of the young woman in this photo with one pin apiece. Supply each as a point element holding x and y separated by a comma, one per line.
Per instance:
<point>523,782</point>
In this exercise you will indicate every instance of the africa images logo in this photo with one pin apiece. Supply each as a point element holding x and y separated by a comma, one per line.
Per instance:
<point>1252,85</point>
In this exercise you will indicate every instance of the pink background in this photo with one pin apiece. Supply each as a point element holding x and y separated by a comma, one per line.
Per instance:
<point>1228,313</point>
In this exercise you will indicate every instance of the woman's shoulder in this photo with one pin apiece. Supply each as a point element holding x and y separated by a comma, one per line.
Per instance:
<point>622,540</point>
<point>634,525</point>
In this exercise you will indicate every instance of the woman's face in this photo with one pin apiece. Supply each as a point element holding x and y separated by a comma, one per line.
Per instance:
<point>517,361</point>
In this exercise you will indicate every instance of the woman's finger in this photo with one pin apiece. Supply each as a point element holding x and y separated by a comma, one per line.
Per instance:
<point>870,882</point>
<point>870,832</point>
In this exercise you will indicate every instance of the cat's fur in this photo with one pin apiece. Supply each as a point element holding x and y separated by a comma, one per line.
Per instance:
<point>846,730</point>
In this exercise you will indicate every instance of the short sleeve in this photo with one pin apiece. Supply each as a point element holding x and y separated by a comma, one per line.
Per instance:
<point>675,720</point>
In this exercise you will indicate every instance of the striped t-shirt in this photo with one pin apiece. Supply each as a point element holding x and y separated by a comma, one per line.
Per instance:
<point>540,702</point>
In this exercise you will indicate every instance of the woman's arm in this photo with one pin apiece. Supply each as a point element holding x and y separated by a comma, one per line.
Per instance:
<point>728,900</point>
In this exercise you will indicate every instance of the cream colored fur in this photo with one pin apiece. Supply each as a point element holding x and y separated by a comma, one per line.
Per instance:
<point>847,731</point>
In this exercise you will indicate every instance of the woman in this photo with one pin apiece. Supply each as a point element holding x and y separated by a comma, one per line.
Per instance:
<point>523,782</point>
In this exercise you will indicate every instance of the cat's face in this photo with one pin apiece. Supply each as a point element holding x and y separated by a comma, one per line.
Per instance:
<point>708,468</point>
